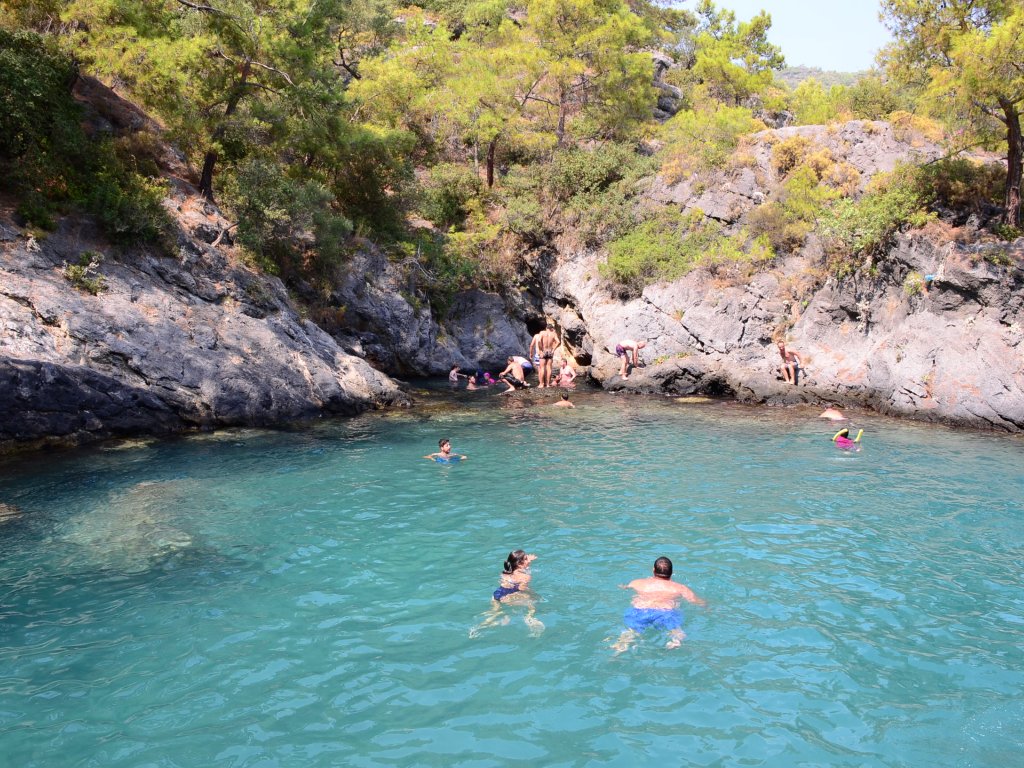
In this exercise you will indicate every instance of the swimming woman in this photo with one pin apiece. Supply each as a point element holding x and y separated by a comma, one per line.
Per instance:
<point>513,588</point>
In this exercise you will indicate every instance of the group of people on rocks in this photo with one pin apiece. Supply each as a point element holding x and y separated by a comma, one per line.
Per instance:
<point>542,356</point>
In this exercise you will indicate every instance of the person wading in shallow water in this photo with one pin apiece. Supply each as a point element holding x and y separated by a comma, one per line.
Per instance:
<point>513,375</point>
<point>655,604</point>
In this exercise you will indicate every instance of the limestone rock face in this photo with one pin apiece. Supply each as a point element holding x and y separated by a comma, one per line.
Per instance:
<point>946,347</point>
<point>478,330</point>
<point>169,343</point>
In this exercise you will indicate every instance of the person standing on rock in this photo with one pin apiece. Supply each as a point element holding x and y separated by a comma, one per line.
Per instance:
<point>629,351</point>
<point>790,363</point>
<point>544,345</point>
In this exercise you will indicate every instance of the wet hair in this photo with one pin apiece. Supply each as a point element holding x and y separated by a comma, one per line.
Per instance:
<point>565,395</point>
<point>514,561</point>
<point>442,441</point>
<point>509,360</point>
<point>663,568</point>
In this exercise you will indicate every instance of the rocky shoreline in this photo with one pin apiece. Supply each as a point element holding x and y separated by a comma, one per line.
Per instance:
<point>200,341</point>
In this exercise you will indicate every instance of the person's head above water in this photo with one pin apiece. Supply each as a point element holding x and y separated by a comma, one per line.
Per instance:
<point>663,568</point>
<point>516,560</point>
<point>565,395</point>
<point>443,443</point>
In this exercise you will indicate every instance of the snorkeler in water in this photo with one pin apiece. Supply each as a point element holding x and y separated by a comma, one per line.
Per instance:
<point>513,588</point>
<point>843,441</point>
<point>445,455</point>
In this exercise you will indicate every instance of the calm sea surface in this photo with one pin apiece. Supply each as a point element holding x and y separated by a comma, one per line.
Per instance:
<point>306,599</point>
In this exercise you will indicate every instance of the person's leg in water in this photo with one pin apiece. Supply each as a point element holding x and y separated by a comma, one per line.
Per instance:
<point>492,617</point>
<point>675,638</point>
<point>625,641</point>
<point>536,625</point>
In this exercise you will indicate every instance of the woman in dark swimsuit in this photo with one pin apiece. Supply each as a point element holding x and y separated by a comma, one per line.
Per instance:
<point>513,588</point>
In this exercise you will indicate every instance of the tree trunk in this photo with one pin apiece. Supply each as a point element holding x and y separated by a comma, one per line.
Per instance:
<point>490,161</point>
<point>210,161</point>
<point>1014,163</point>
<point>562,109</point>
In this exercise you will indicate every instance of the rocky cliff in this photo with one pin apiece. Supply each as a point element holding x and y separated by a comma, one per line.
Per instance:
<point>199,340</point>
<point>948,348</point>
<point>945,349</point>
<point>165,344</point>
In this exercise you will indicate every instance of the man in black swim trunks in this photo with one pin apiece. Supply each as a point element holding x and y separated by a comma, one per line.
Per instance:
<point>513,375</point>
<point>545,343</point>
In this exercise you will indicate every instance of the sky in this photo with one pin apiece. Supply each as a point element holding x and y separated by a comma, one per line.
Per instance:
<point>839,35</point>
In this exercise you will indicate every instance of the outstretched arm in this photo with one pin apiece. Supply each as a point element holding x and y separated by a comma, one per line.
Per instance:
<point>687,594</point>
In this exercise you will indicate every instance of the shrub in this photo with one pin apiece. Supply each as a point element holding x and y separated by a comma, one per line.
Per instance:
<point>704,139</point>
<point>83,275</point>
<point>47,160</point>
<point>913,284</point>
<point>911,128</point>
<point>786,221</point>
<point>865,226</point>
<point>446,192</point>
<point>789,153</point>
<point>961,184</point>
<point>669,245</point>
<point>292,226</point>
<point>576,172</point>
<point>783,233</point>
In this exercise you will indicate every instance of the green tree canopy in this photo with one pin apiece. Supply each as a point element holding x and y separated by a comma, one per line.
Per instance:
<point>966,56</point>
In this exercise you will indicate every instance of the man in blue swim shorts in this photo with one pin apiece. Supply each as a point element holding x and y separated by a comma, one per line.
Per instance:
<point>656,604</point>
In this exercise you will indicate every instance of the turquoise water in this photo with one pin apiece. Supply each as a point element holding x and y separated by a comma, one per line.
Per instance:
<point>306,599</point>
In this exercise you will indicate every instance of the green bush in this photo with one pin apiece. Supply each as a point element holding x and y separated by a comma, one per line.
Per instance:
<point>585,172</point>
<point>49,163</point>
<point>863,227</point>
<point>669,245</point>
<point>785,222</point>
<point>961,184</point>
<point>447,190</point>
<point>704,139</point>
<point>84,275</point>
<point>292,226</point>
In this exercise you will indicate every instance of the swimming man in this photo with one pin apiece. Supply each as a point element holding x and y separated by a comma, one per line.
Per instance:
<point>445,455</point>
<point>655,604</point>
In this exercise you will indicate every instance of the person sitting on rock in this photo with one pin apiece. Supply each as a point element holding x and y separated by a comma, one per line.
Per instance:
<point>513,375</point>
<point>790,363</point>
